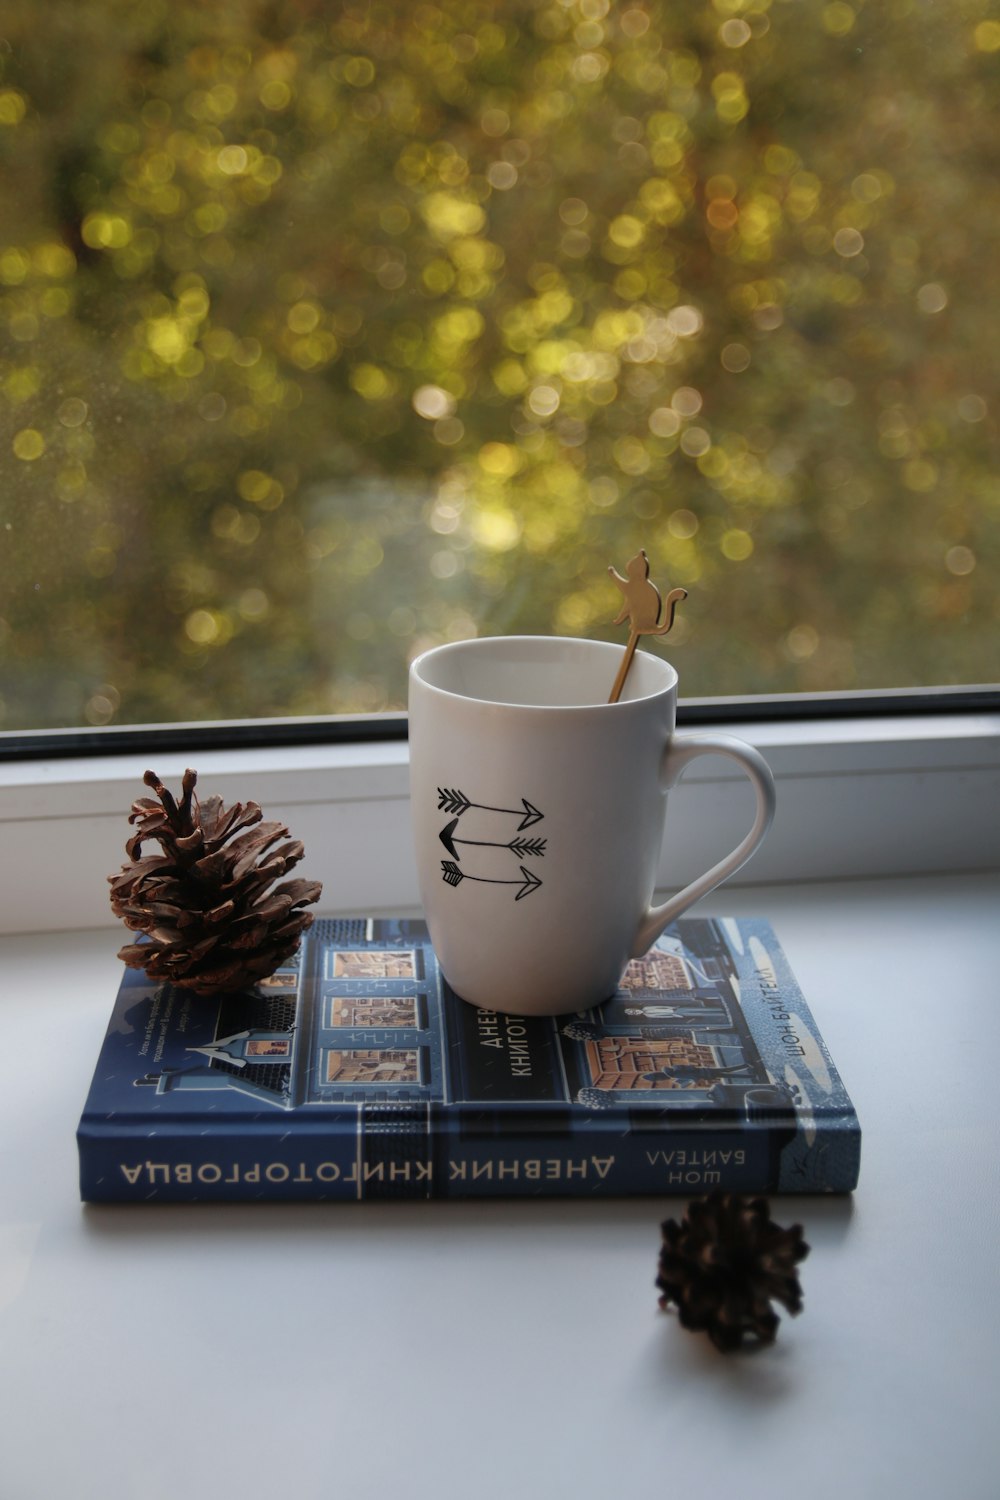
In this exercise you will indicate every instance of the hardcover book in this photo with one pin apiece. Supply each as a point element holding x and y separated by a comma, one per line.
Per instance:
<point>355,1072</point>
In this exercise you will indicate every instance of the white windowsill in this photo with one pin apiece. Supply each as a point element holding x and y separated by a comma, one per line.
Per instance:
<point>856,798</point>
<point>524,1335</point>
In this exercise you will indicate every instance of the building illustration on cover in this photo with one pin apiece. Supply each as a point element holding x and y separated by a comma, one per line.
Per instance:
<point>362,1025</point>
<point>706,1058</point>
<point>345,1024</point>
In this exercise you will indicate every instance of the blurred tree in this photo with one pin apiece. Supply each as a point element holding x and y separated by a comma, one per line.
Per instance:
<point>333,331</point>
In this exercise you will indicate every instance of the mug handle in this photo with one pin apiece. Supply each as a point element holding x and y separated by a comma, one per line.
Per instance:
<point>679,754</point>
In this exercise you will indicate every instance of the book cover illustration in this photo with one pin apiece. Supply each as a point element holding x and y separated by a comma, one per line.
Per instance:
<point>356,1072</point>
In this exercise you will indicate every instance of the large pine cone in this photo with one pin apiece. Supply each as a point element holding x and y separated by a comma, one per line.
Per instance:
<point>725,1263</point>
<point>212,921</point>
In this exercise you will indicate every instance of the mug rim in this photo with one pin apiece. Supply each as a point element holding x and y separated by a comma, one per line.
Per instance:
<point>482,643</point>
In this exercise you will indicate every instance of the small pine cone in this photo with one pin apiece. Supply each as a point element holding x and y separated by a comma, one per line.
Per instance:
<point>725,1263</point>
<point>212,921</point>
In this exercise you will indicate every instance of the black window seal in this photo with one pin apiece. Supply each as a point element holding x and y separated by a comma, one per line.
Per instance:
<point>340,729</point>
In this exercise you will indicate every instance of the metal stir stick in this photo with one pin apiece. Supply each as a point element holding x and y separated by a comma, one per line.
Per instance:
<point>643,605</point>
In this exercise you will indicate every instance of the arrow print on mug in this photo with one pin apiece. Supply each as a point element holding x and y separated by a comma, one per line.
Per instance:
<point>454,876</point>
<point>457,802</point>
<point>521,847</point>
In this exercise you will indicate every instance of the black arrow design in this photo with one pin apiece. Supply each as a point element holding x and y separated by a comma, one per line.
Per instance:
<point>454,876</point>
<point>521,847</point>
<point>457,802</point>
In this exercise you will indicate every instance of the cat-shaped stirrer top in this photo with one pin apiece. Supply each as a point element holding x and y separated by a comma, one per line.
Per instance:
<point>642,607</point>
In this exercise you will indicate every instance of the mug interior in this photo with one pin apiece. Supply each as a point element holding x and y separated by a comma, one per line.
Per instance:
<point>540,671</point>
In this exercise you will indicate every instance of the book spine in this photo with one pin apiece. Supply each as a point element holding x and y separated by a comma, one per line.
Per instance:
<point>399,1158</point>
<point>181,1165</point>
<point>606,1162</point>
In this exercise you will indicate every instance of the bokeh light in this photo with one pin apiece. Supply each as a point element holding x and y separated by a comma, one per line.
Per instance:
<point>336,332</point>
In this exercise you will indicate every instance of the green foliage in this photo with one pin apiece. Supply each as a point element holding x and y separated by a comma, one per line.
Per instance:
<point>334,331</point>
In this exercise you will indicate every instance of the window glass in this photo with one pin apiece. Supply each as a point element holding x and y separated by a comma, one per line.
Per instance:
<point>332,331</point>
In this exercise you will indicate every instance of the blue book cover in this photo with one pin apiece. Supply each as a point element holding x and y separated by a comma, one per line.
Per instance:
<point>355,1072</point>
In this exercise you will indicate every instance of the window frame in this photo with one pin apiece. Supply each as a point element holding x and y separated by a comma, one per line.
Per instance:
<point>240,734</point>
<point>886,785</point>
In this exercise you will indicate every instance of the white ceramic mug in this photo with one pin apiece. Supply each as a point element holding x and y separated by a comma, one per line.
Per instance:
<point>538,814</point>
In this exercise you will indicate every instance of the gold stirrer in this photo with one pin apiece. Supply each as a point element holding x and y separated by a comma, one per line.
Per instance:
<point>642,608</point>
